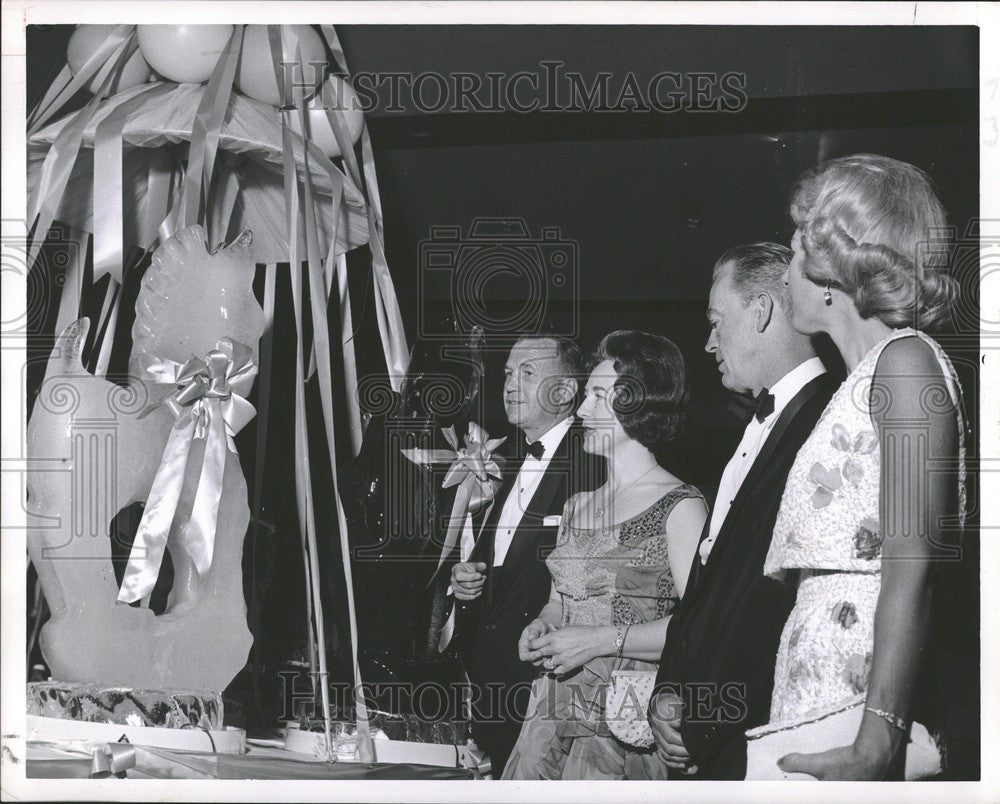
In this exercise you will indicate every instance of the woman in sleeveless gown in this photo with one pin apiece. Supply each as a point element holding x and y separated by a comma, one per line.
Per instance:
<point>619,567</point>
<point>859,528</point>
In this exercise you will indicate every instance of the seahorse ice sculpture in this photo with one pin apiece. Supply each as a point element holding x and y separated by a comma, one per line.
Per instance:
<point>91,455</point>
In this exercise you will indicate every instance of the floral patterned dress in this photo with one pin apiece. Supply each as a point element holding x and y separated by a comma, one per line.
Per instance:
<point>828,528</point>
<point>614,575</point>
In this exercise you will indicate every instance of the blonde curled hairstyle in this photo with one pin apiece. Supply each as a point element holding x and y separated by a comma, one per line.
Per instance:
<point>873,226</point>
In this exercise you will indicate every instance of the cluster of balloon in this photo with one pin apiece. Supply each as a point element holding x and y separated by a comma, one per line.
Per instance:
<point>256,77</point>
<point>189,53</point>
<point>186,54</point>
<point>85,41</point>
<point>336,94</point>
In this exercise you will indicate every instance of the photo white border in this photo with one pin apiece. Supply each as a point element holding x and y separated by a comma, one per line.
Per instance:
<point>19,13</point>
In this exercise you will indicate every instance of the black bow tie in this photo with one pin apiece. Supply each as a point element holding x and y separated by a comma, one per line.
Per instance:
<point>536,449</point>
<point>763,405</point>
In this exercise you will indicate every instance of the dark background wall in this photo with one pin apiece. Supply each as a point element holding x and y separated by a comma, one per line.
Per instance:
<point>651,199</point>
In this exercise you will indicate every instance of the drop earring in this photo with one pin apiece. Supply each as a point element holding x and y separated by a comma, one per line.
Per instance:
<point>827,295</point>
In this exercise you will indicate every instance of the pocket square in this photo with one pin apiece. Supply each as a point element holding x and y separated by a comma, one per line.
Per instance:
<point>551,521</point>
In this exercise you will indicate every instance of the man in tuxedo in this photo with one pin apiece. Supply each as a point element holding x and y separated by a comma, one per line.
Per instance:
<point>717,668</point>
<point>503,582</point>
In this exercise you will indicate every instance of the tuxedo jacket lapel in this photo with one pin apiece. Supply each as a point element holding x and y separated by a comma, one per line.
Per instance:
<point>771,445</point>
<point>555,474</point>
<point>484,522</point>
<point>694,575</point>
<point>534,514</point>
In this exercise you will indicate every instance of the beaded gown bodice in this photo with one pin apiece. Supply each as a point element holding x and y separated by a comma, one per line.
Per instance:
<point>618,574</point>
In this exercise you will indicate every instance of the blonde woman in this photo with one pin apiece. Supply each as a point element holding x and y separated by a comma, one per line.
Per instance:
<point>860,526</point>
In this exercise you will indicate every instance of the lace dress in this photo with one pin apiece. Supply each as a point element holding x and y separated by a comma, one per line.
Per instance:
<point>607,576</point>
<point>828,528</point>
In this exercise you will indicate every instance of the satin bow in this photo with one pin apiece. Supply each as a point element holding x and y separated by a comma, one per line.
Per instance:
<point>473,469</point>
<point>111,760</point>
<point>209,404</point>
<point>477,761</point>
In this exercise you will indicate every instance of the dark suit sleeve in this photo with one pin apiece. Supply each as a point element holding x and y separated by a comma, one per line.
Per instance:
<point>465,615</point>
<point>720,709</point>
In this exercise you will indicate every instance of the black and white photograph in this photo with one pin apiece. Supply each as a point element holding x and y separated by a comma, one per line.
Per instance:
<point>462,401</point>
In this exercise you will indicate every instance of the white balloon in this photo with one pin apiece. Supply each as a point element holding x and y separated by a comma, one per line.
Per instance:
<point>255,77</point>
<point>184,53</point>
<point>339,96</point>
<point>85,41</point>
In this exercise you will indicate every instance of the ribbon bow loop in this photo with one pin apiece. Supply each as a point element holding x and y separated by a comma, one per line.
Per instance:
<point>112,759</point>
<point>224,377</point>
<point>208,403</point>
<point>473,469</point>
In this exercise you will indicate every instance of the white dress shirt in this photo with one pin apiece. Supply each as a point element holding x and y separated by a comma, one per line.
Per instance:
<point>754,436</point>
<point>524,488</point>
<point>520,494</point>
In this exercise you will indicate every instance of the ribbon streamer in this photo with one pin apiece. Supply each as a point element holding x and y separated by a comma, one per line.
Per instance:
<point>107,189</point>
<point>66,85</point>
<point>319,294</point>
<point>59,162</point>
<point>390,320</point>
<point>207,129</point>
<point>159,183</point>
<point>210,404</point>
<point>350,358</point>
<point>473,469</point>
<point>105,337</point>
<point>303,477</point>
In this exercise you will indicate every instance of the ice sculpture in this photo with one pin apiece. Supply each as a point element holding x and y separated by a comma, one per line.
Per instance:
<point>91,455</point>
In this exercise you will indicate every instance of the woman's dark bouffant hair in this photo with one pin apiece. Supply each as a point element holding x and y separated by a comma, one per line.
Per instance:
<point>651,392</point>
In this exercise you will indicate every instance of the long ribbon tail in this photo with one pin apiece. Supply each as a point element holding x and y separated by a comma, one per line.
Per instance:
<point>58,166</point>
<point>105,338</point>
<point>108,201</point>
<point>388,316</point>
<point>456,521</point>
<point>264,386</point>
<point>151,538</point>
<point>207,129</point>
<point>321,342</point>
<point>159,183</point>
<point>220,214</point>
<point>58,85</point>
<point>303,477</point>
<point>199,540</point>
<point>350,358</point>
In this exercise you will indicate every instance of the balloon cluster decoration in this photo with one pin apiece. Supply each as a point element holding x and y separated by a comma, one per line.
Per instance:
<point>230,128</point>
<point>84,43</point>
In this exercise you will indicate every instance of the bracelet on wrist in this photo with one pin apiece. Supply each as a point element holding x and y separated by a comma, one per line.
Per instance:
<point>893,720</point>
<point>620,642</point>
